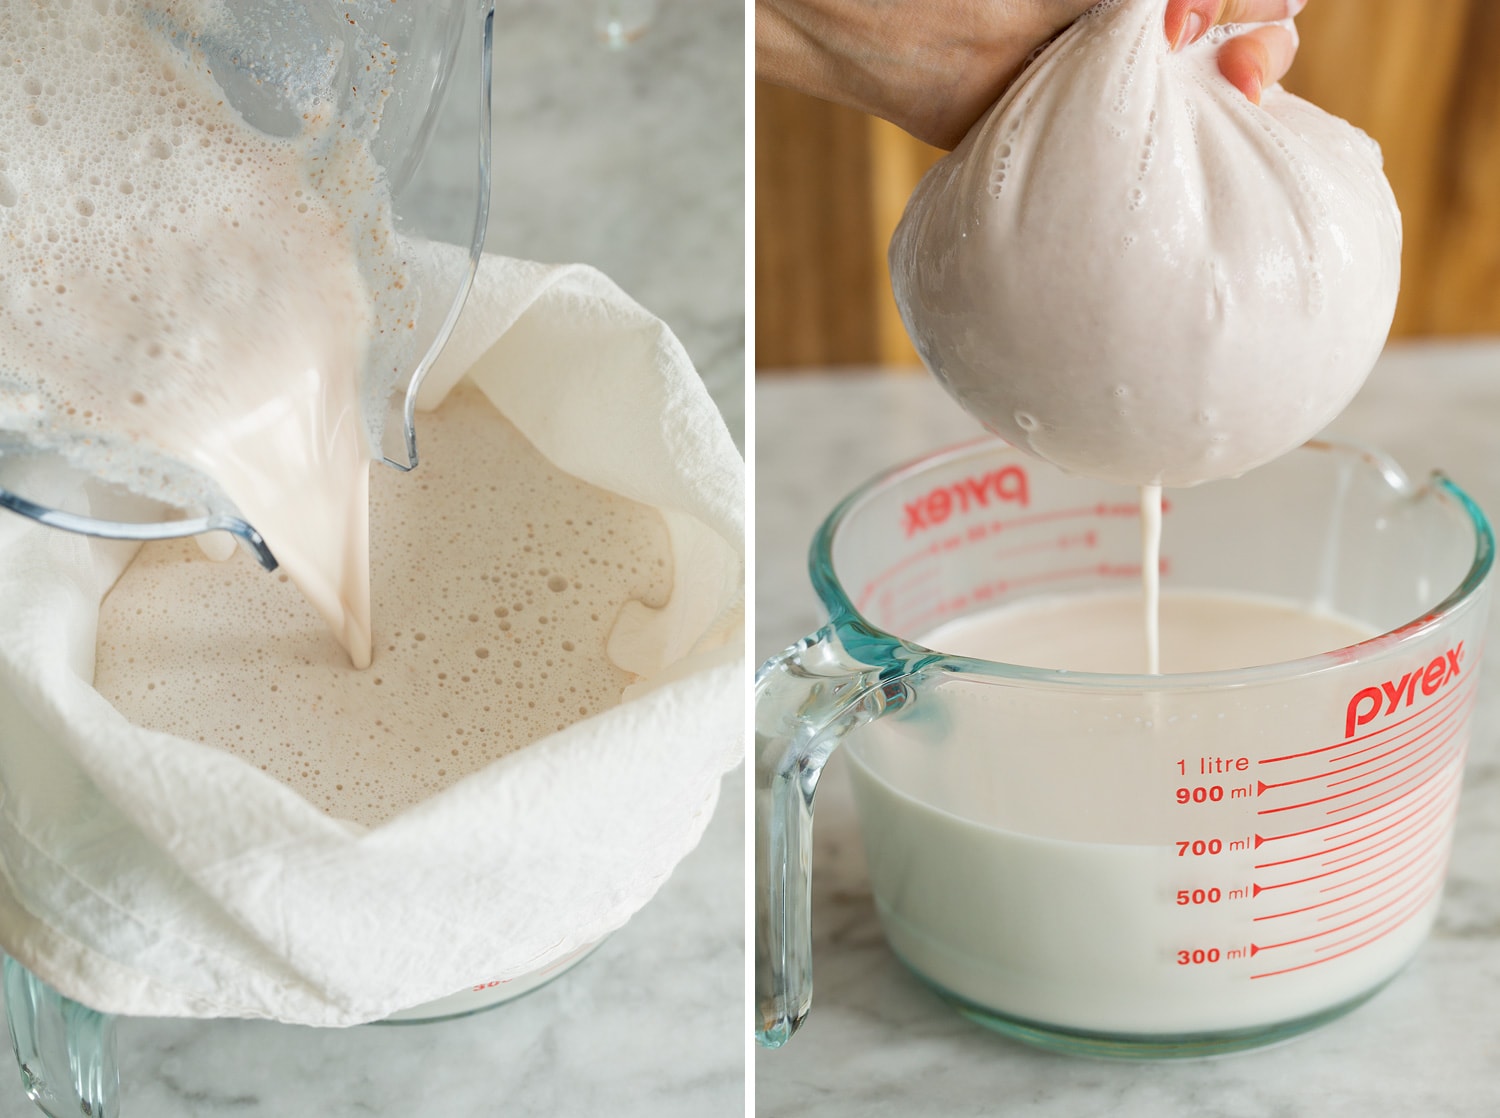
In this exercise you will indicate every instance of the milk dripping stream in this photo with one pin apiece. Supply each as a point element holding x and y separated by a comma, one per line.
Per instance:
<point>1151,573</point>
<point>185,287</point>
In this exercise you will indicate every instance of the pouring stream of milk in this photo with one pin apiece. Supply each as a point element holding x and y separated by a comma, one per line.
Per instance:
<point>180,285</point>
<point>1151,573</point>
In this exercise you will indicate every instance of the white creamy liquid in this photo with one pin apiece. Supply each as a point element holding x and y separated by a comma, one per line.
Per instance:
<point>1200,632</point>
<point>179,286</point>
<point>1022,841</point>
<point>1151,573</point>
<point>500,580</point>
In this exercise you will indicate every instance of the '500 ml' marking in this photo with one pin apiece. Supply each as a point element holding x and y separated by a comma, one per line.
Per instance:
<point>1367,704</point>
<point>1006,484</point>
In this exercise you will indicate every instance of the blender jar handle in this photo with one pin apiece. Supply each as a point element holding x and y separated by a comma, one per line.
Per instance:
<point>806,700</point>
<point>66,1051</point>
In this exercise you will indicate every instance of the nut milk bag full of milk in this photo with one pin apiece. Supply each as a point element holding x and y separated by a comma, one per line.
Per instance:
<point>1140,276</point>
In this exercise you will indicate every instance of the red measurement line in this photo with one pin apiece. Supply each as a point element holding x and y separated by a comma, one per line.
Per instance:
<point>1436,809</point>
<point>1398,874</point>
<point>1302,880</point>
<point>1404,750</point>
<point>1358,920</point>
<point>1329,958</point>
<point>900,590</point>
<point>1403,875</point>
<point>1382,895</point>
<point>916,580</point>
<point>1368,760</point>
<point>1460,707</point>
<point>1353,791</point>
<point>995,527</point>
<point>1100,509</point>
<point>1327,873</point>
<point>1061,543</point>
<point>1436,770</point>
<point>1260,840</point>
<point>1356,842</point>
<point>1401,917</point>
<point>917,601</point>
<point>1452,731</point>
<point>1400,837</point>
<point>1305,857</point>
<point>1435,748</point>
<point>1422,853</point>
<point>1382,806</point>
<point>929,552</point>
<point>1361,737</point>
<point>1436,840</point>
<point>1378,822</point>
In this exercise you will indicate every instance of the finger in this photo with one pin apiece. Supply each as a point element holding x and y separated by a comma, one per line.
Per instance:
<point>1187,21</point>
<point>1257,59</point>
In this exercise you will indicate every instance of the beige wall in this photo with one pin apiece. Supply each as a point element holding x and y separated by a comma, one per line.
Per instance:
<point>1421,76</point>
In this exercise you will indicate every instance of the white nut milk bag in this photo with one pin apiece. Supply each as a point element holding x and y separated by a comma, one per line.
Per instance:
<point>148,872</point>
<point>1136,273</point>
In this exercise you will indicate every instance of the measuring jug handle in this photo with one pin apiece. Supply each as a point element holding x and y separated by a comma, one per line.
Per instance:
<point>66,1051</point>
<point>806,700</point>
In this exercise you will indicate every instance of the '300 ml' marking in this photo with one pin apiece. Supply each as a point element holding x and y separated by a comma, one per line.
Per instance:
<point>1367,704</point>
<point>1007,484</point>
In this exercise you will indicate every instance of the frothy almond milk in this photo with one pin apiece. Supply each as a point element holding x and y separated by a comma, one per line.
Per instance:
<point>500,579</point>
<point>180,286</point>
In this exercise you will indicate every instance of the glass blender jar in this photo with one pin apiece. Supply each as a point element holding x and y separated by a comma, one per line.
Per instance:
<point>265,56</point>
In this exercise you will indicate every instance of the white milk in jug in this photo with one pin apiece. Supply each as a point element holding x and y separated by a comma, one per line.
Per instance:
<point>1026,858</point>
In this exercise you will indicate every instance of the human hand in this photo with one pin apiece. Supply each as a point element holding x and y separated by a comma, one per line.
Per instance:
<point>934,66</point>
<point>1251,61</point>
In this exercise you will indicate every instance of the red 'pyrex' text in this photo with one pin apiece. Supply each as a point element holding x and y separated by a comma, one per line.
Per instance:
<point>1007,484</point>
<point>1371,702</point>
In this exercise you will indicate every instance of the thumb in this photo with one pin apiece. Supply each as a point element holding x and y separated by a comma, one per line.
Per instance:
<point>1187,21</point>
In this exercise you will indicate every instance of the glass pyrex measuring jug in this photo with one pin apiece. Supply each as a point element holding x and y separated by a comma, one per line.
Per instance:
<point>1123,864</point>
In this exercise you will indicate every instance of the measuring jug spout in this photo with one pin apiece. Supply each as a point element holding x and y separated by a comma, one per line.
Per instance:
<point>806,700</point>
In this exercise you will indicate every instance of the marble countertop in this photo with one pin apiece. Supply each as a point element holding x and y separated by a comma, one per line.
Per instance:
<point>877,1043</point>
<point>632,161</point>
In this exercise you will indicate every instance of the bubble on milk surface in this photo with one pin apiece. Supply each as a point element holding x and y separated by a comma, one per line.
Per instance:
<point>477,650</point>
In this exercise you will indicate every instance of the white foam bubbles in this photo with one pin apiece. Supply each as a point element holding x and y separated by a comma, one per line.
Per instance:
<point>499,580</point>
<point>185,289</point>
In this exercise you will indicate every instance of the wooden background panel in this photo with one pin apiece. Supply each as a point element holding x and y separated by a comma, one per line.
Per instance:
<point>1418,76</point>
<point>817,268</point>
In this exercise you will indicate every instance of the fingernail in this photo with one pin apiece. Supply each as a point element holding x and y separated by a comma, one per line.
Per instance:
<point>1257,86</point>
<point>1293,7</point>
<point>1193,27</point>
